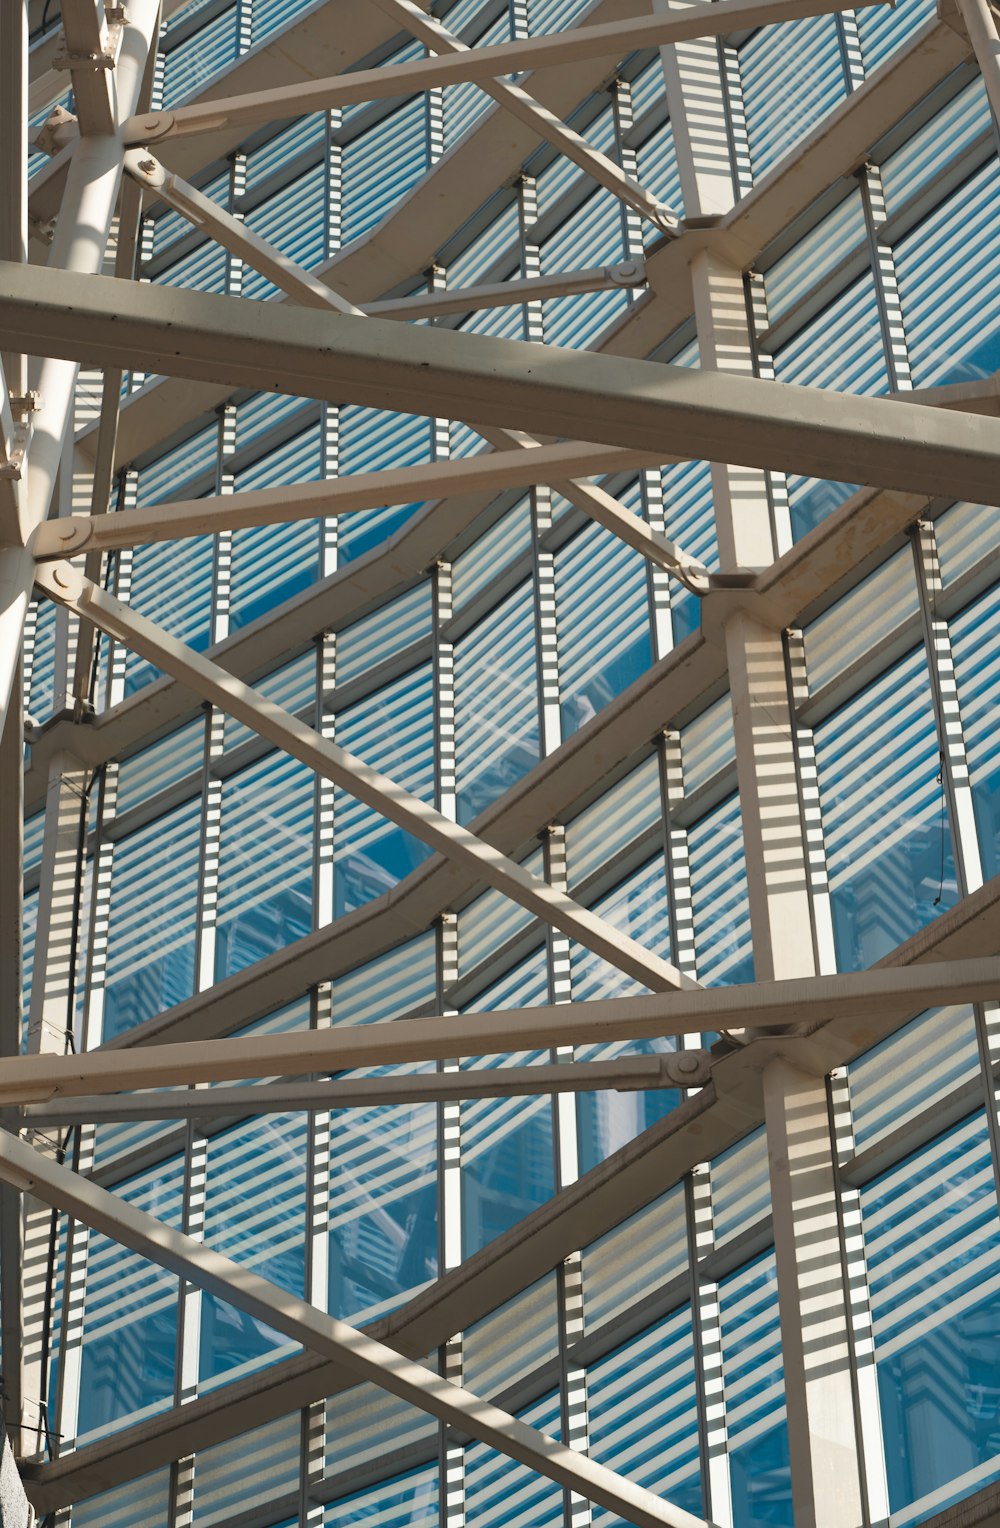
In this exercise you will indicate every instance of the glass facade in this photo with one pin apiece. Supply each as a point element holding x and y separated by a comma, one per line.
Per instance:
<point>472,650</point>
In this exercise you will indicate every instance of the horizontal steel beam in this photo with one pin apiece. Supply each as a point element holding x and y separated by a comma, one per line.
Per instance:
<point>483,380</point>
<point>68,587</point>
<point>26,1169</point>
<point>640,1172</point>
<point>491,473</point>
<point>763,1005</point>
<point>481,64</point>
<point>676,1069</point>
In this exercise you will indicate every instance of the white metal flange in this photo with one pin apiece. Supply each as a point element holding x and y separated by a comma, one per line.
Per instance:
<point>60,581</point>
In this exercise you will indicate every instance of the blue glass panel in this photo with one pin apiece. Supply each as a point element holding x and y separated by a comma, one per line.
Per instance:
<point>293,221</point>
<point>792,76</point>
<point>154,899</point>
<point>607,1120</point>
<point>383,1206</point>
<point>719,896</point>
<point>198,57</point>
<point>145,1501</point>
<point>841,348</point>
<point>402,1502</point>
<point>382,165</point>
<point>508,1161</point>
<point>976,648</point>
<point>932,1237</point>
<point>130,1317</point>
<point>755,1404</point>
<point>392,731</point>
<point>273,563</point>
<point>496,703</point>
<point>604,643</point>
<point>255,1213</point>
<point>888,846</point>
<point>592,235</point>
<point>266,861</point>
<point>172,585</point>
<point>371,439</point>
<point>643,1415</point>
<point>949,285</point>
<point>882,30</point>
<point>500,1492</point>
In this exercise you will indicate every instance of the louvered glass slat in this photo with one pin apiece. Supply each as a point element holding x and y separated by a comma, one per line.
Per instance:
<point>172,585</point>
<point>607,1120</point>
<point>293,686</point>
<point>382,165</point>
<point>507,1143</point>
<point>491,920</point>
<point>293,221</point>
<point>643,1415</point>
<point>815,256</point>
<point>29,930</point>
<point>719,896</point>
<point>841,348</point>
<point>911,1071</point>
<point>949,285</point>
<point>648,1250</point>
<point>383,1214</point>
<point>140,1501</point>
<point>755,1400</point>
<point>393,628</point>
<point>499,1492</point>
<point>708,745</point>
<point>932,1241</point>
<point>792,76</point>
<point>255,1214</point>
<point>160,766</point>
<point>490,1361</point>
<point>246,1470</point>
<point>305,136</point>
<point>273,563</point>
<point>266,862</point>
<point>496,703</point>
<point>593,235</point>
<point>392,731</point>
<point>396,984</point>
<point>740,1187</point>
<point>931,151</point>
<point>883,30</point>
<point>154,898</point>
<point>658,170</point>
<point>204,269</point>
<point>465,104</point>
<point>371,440</point>
<point>42,657</point>
<point>853,625</point>
<point>130,1317</point>
<point>966,535</point>
<point>976,648</point>
<point>474,570</point>
<point>604,640</point>
<point>690,521</point>
<point>401,1502</point>
<point>622,814</point>
<point>198,57</point>
<point>884,814</point>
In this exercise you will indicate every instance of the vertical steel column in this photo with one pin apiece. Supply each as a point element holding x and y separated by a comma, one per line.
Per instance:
<point>859,1311</point>
<point>812,1302</point>
<point>886,285</point>
<point>575,1411</point>
<point>80,242</point>
<point>826,1482</point>
<point>14,161</point>
<point>706,1317</point>
<point>450,1357</point>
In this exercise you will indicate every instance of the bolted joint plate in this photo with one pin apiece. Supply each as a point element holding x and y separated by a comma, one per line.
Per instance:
<point>60,581</point>
<point>60,538</point>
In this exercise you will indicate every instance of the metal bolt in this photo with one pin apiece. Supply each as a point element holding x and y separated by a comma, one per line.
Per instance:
<point>66,532</point>
<point>152,125</point>
<point>147,166</point>
<point>62,576</point>
<point>628,268</point>
<point>687,1061</point>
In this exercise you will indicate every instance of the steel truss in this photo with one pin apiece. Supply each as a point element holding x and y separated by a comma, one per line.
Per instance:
<point>610,414</point>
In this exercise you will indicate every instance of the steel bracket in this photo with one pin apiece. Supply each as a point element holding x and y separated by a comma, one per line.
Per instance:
<point>116,19</point>
<point>55,132</point>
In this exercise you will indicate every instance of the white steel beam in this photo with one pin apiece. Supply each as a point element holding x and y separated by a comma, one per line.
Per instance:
<point>505,294</point>
<point>88,52</point>
<point>675,1069</point>
<point>81,237</point>
<point>358,1353</point>
<point>490,473</point>
<point>14,159</point>
<point>369,785</point>
<point>526,109</point>
<point>765,1005</point>
<point>436,372</point>
<point>303,287</point>
<point>482,65</point>
<point>981,25</point>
